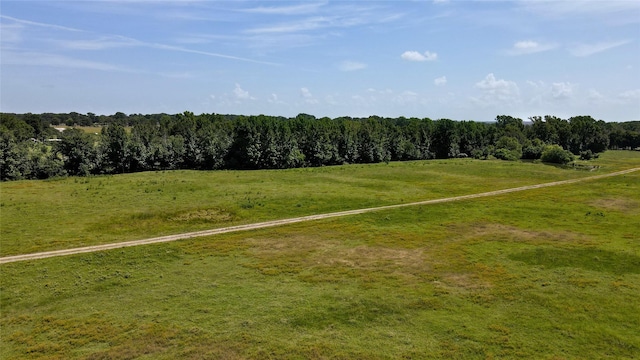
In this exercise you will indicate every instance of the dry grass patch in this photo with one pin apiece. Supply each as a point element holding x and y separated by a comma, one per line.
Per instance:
<point>501,232</point>
<point>624,205</point>
<point>208,215</point>
<point>317,259</point>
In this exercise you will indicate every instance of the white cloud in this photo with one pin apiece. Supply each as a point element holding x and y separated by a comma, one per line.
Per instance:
<point>630,95</point>
<point>416,56</point>
<point>441,81</point>
<point>561,90</point>
<point>307,96</point>
<point>242,94</point>
<point>406,97</point>
<point>351,66</point>
<point>530,47</point>
<point>331,100</point>
<point>595,95</point>
<point>582,50</point>
<point>496,91</point>
<point>440,1</point>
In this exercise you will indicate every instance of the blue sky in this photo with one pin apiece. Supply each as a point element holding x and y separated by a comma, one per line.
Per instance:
<point>463,60</point>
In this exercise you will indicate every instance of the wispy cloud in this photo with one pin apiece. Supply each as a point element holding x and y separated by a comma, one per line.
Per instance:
<point>102,43</point>
<point>496,91</point>
<point>39,24</point>
<point>307,96</point>
<point>562,90</point>
<point>11,33</point>
<point>582,50</point>
<point>111,41</point>
<point>241,94</point>
<point>441,81</point>
<point>530,47</point>
<point>286,10</point>
<point>327,17</point>
<point>351,66</point>
<point>572,8</point>
<point>295,26</point>
<point>54,60</point>
<point>416,56</point>
<point>630,95</point>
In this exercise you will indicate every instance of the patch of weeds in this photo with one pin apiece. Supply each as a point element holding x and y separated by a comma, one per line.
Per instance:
<point>250,203</point>
<point>588,259</point>
<point>204,215</point>
<point>350,312</point>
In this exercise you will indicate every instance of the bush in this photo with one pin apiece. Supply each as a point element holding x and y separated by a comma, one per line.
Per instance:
<point>588,155</point>
<point>533,150</point>
<point>505,154</point>
<point>556,154</point>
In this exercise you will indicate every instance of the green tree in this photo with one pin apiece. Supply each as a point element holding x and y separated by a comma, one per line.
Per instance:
<point>114,149</point>
<point>78,152</point>
<point>511,127</point>
<point>13,157</point>
<point>445,139</point>
<point>508,148</point>
<point>588,134</point>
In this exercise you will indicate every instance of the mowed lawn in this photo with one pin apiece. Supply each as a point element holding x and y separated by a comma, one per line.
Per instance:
<point>549,273</point>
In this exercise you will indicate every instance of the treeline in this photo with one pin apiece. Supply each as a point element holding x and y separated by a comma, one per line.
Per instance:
<point>30,148</point>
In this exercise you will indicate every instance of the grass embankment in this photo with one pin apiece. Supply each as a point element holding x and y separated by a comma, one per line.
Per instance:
<point>547,273</point>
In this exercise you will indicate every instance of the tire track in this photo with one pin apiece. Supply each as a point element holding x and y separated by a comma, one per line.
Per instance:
<point>266,224</point>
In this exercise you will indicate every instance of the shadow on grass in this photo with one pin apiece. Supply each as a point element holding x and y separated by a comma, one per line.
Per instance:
<point>588,259</point>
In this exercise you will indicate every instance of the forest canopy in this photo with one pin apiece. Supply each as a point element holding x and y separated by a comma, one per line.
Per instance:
<point>31,147</point>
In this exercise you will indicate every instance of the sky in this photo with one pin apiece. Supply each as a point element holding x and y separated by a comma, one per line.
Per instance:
<point>461,60</point>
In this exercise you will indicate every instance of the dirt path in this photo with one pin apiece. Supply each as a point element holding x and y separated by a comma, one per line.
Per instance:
<point>162,239</point>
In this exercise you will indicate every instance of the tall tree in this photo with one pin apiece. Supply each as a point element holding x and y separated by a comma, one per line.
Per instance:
<point>114,149</point>
<point>78,152</point>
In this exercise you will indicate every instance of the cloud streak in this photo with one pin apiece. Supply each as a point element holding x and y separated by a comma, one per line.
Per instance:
<point>583,50</point>
<point>416,56</point>
<point>39,24</point>
<point>54,60</point>
<point>351,66</point>
<point>286,10</point>
<point>526,47</point>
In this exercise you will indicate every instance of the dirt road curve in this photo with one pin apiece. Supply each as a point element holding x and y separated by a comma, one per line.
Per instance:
<point>162,239</point>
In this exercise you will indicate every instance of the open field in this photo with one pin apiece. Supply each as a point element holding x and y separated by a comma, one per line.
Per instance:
<point>546,273</point>
<point>87,129</point>
<point>74,212</point>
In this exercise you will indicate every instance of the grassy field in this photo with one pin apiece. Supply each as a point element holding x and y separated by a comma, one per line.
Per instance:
<point>549,273</point>
<point>87,129</point>
<point>73,212</point>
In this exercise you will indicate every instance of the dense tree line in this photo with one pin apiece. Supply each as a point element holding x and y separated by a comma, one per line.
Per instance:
<point>30,148</point>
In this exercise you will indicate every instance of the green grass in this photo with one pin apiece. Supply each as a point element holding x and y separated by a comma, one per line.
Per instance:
<point>552,273</point>
<point>74,212</point>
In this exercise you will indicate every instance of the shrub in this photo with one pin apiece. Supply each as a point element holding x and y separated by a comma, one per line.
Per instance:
<point>588,155</point>
<point>556,154</point>
<point>533,149</point>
